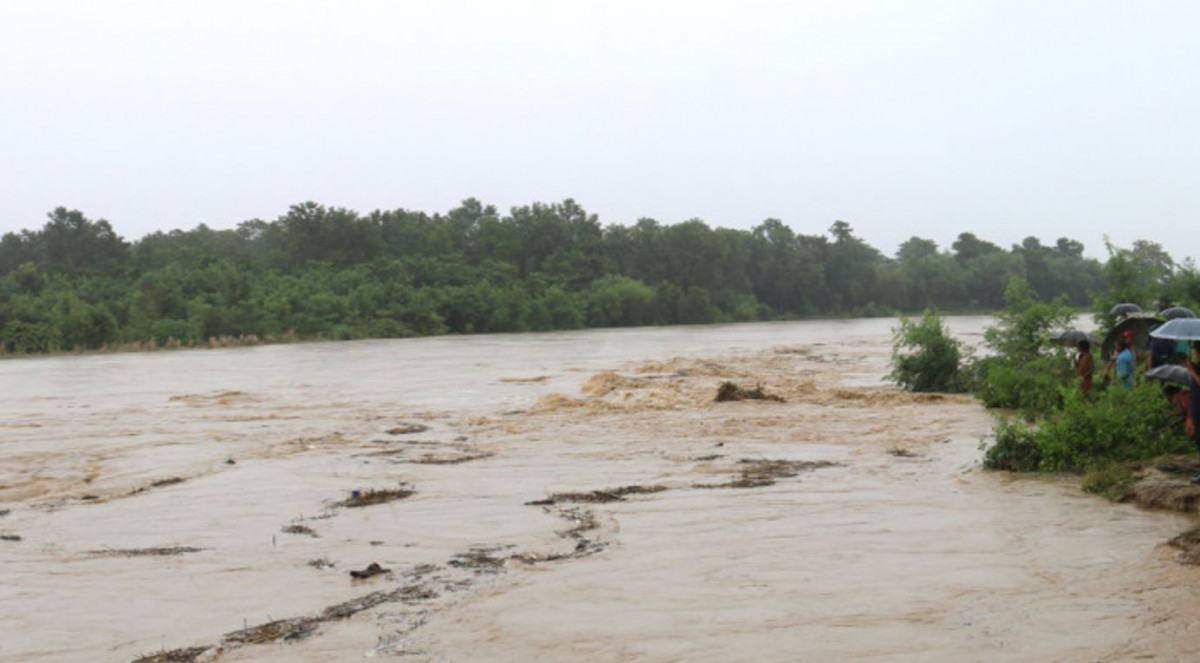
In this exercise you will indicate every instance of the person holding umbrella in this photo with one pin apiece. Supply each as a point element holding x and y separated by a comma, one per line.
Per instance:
<point>1085,368</point>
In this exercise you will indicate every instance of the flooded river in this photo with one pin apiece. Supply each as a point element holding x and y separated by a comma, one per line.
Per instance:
<point>561,497</point>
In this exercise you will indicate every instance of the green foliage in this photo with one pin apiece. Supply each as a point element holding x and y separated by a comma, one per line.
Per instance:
<point>1015,449</point>
<point>1117,426</point>
<point>329,272</point>
<point>1024,371</point>
<point>924,355</point>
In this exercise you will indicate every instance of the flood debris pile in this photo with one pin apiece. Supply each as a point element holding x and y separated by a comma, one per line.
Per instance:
<point>294,629</point>
<point>479,559</point>
<point>407,429</point>
<point>583,521</point>
<point>760,472</point>
<point>453,458</point>
<point>146,552</point>
<point>161,483</point>
<point>188,655</point>
<point>598,496</point>
<point>376,496</point>
<point>373,569</point>
<point>730,391</point>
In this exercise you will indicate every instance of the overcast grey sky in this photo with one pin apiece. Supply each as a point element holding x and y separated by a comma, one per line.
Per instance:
<point>1006,119</point>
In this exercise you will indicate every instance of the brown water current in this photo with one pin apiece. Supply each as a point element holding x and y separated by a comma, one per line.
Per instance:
<point>567,496</point>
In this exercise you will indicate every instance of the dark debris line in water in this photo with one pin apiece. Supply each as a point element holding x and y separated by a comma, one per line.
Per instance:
<point>479,560</point>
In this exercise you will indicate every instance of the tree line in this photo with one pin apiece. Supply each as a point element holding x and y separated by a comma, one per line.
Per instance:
<point>331,272</point>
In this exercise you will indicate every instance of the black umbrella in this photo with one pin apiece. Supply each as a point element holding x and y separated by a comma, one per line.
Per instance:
<point>1140,325</point>
<point>1124,309</point>
<point>1071,338</point>
<point>1171,373</point>
<point>1177,312</point>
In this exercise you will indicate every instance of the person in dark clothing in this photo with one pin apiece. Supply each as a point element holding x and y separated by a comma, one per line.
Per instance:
<point>1193,366</point>
<point>1161,352</point>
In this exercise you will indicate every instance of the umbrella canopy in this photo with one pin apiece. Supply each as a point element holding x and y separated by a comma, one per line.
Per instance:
<point>1171,373</point>
<point>1071,338</point>
<point>1124,309</point>
<point>1177,312</point>
<point>1140,325</point>
<point>1179,329</point>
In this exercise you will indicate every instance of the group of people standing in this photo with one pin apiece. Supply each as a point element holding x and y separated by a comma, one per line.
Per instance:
<point>1159,352</point>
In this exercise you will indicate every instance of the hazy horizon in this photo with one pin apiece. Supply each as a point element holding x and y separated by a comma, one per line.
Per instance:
<point>929,118</point>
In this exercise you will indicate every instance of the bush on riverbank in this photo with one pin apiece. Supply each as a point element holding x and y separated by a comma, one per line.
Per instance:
<point>1117,426</point>
<point>925,357</point>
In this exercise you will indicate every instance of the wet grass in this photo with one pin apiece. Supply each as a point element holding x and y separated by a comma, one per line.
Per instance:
<point>1113,481</point>
<point>729,391</point>
<point>380,496</point>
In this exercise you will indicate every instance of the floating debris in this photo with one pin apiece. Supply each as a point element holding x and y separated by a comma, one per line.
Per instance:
<point>901,452</point>
<point>407,429</point>
<point>757,473</point>
<point>321,563</point>
<point>146,552</point>
<point>480,559</point>
<point>188,655</point>
<point>705,459</point>
<point>372,570</point>
<point>431,459</point>
<point>10,537</point>
<point>540,378</point>
<point>169,481</point>
<point>369,497</point>
<point>280,630</point>
<point>298,628</point>
<point>5,512</point>
<point>598,496</point>
<point>728,391</point>
<point>301,529</point>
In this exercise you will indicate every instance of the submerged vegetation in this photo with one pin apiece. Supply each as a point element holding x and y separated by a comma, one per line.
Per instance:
<point>333,273</point>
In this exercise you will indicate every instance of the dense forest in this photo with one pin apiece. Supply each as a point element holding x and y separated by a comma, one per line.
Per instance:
<point>318,272</point>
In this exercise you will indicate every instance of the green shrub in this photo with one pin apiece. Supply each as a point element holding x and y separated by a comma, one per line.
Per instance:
<point>1016,448</point>
<point>1032,388</point>
<point>1117,426</point>
<point>925,357</point>
<point>29,337</point>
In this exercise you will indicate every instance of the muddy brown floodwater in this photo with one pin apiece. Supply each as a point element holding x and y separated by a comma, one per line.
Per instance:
<point>566,496</point>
